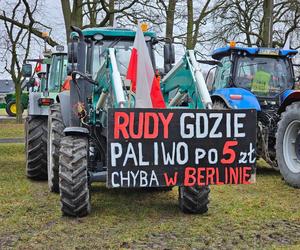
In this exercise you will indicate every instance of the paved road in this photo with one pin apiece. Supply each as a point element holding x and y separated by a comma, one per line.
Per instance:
<point>6,117</point>
<point>12,140</point>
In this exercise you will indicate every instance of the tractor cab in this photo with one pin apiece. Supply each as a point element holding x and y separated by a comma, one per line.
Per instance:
<point>266,73</point>
<point>100,59</point>
<point>57,69</point>
<point>263,79</point>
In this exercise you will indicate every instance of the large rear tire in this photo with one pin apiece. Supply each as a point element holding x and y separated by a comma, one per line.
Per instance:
<point>73,176</point>
<point>288,145</point>
<point>55,133</point>
<point>36,148</point>
<point>194,200</point>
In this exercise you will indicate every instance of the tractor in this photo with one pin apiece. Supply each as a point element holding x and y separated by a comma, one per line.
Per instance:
<point>263,79</point>
<point>8,98</point>
<point>99,59</point>
<point>11,107</point>
<point>51,72</point>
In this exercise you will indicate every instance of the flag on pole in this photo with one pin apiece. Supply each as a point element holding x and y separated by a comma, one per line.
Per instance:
<point>141,73</point>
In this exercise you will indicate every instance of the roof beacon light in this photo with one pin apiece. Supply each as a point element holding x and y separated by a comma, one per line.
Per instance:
<point>144,27</point>
<point>232,44</point>
<point>236,97</point>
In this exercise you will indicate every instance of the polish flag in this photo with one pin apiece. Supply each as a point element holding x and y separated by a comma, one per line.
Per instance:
<point>141,73</point>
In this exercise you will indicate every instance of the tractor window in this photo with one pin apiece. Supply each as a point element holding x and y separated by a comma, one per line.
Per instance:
<point>263,75</point>
<point>222,74</point>
<point>123,52</point>
<point>58,72</point>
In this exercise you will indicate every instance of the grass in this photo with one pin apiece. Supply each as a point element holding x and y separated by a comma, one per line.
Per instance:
<point>3,112</point>
<point>9,129</point>
<point>263,215</point>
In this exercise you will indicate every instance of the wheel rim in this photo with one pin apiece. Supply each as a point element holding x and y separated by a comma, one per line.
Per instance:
<point>291,146</point>
<point>13,108</point>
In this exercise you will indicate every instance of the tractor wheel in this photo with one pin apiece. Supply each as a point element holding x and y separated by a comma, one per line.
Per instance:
<point>11,108</point>
<point>73,176</point>
<point>55,133</point>
<point>194,200</point>
<point>36,148</point>
<point>288,145</point>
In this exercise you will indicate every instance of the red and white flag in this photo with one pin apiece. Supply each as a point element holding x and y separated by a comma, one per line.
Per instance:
<point>142,76</point>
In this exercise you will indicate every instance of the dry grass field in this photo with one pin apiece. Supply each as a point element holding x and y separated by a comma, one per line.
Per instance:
<point>264,215</point>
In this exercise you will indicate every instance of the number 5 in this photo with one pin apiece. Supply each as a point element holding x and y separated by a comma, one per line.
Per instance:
<point>229,151</point>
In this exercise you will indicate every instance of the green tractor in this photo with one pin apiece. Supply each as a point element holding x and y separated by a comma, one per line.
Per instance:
<point>11,107</point>
<point>43,91</point>
<point>99,58</point>
<point>8,98</point>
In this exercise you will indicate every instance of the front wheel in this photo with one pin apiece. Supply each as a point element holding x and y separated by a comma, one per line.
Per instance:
<point>73,176</point>
<point>194,200</point>
<point>288,145</point>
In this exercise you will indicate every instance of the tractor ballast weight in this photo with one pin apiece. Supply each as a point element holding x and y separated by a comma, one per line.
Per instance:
<point>98,87</point>
<point>263,79</point>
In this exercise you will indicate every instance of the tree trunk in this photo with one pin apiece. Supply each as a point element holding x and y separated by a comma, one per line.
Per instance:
<point>18,102</point>
<point>190,25</point>
<point>267,23</point>
<point>170,19</point>
<point>72,16</point>
<point>111,7</point>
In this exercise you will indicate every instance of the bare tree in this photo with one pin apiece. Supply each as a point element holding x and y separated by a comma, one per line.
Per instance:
<point>17,42</point>
<point>248,22</point>
<point>89,13</point>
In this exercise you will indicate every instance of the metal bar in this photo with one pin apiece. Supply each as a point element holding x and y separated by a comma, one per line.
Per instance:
<point>117,79</point>
<point>200,82</point>
<point>98,176</point>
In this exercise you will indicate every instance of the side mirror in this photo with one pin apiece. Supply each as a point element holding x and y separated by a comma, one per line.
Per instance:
<point>72,52</point>
<point>27,70</point>
<point>169,56</point>
<point>169,53</point>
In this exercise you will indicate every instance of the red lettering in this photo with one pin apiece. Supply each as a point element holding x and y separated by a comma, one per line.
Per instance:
<point>228,151</point>
<point>246,176</point>
<point>241,175</point>
<point>210,172</point>
<point>132,133</point>
<point>171,181</point>
<point>147,133</point>
<point>200,177</point>
<point>120,127</point>
<point>189,174</point>
<point>218,182</point>
<point>165,122</point>
<point>233,175</point>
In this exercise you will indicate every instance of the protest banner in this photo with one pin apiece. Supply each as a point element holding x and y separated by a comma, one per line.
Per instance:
<point>171,147</point>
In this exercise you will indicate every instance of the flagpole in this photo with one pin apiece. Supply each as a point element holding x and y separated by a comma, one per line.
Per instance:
<point>130,91</point>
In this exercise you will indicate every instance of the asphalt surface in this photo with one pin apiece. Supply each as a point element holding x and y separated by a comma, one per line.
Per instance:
<point>6,117</point>
<point>12,140</point>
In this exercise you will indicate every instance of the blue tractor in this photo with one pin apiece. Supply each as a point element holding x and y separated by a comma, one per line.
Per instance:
<point>263,79</point>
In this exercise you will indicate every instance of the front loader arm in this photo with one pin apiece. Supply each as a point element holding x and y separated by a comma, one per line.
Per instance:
<point>186,79</point>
